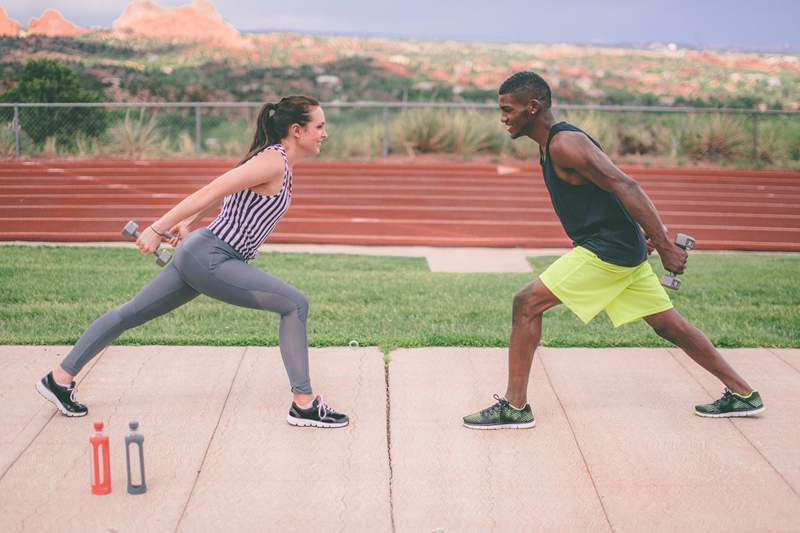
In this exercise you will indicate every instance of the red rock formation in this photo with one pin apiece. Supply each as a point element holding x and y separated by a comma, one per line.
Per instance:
<point>53,24</point>
<point>198,21</point>
<point>8,27</point>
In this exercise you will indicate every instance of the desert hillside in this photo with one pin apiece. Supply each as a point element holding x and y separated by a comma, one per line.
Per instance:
<point>153,53</point>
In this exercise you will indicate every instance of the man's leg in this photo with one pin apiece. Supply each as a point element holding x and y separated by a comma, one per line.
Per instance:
<point>526,331</point>
<point>671,326</point>
<point>513,411</point>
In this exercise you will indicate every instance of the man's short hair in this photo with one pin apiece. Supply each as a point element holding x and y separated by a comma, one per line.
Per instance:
<point>528,84</point>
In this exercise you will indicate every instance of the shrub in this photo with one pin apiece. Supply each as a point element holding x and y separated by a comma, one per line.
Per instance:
<point>355,140</point>
<point>421,130</point>
<point>599,125</point>
<point>136,137</point>
<point>717,138</point>
<point>49,81</point>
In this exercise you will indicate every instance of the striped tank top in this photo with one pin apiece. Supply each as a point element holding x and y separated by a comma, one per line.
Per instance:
<point>247,218</point>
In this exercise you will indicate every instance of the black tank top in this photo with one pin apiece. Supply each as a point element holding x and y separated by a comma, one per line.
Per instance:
<point>593,218</point>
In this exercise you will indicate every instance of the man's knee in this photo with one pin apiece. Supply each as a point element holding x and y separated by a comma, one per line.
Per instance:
<point>528,304</point>
<point>669,327</point>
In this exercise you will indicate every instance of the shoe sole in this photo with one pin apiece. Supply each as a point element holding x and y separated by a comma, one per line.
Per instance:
<point>527,425</point>
<point>45,393</point>
<point>303,423</point>
<point>733,414</point>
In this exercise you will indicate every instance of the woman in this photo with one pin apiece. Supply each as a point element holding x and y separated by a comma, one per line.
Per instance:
<point>213,261</point>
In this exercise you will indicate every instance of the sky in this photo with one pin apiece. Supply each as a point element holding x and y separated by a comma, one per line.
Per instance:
<point>763,25</point>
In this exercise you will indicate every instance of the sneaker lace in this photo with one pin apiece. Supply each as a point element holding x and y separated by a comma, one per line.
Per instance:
<point>491,410</point>
<point>726,394</point>
<point>323,409</point>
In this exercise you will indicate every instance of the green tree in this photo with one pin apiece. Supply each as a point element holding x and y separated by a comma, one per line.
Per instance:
<point>49,81</point>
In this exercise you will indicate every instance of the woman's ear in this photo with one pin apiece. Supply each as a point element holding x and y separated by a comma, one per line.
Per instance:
<point>296,130</point>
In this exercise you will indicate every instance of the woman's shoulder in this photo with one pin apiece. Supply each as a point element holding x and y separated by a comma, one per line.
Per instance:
<point>268,161</point>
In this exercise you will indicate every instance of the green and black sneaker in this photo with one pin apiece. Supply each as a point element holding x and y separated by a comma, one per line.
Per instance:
<point>732,404</point>
<point>501,415</point>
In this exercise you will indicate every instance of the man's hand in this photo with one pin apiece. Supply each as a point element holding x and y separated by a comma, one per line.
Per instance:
<point>649,241</point>
<point>673,257</point>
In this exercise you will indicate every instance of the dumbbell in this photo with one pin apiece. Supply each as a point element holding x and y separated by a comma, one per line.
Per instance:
<point>131,230</point>
<point>670,280</point>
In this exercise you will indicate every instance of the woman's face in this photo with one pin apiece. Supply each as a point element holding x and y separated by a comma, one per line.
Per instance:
<point>314,132</point>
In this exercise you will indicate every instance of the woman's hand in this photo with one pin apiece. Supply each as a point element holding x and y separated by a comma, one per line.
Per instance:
<point>180,231</point>
<point>148,241</point>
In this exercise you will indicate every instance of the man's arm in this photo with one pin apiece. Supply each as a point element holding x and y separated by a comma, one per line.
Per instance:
<point>576,152</point>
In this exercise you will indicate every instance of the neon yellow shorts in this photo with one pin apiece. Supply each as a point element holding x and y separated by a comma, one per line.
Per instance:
<point>586,285</point>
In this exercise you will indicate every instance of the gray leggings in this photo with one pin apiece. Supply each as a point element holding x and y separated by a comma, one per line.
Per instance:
<point>205,264</point>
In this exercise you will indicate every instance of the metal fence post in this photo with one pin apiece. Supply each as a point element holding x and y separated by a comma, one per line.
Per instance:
<point>385,148</point>
<point>755,137</point>
<point>198,130</point>
<point>17,127</point>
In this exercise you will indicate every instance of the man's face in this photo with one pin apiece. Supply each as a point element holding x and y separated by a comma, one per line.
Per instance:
<point>515,114</point>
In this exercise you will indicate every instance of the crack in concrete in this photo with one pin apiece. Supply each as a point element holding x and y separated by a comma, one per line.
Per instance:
<point>578,444</point>
<point>389,442</point>
<point>33,439</point>
<point>735,424</point>
<point>41,430</point>
<point>210,440</point>
<point>128,389</point>
<point>784,361</point>
<point>350,440</point>
<point>488,470</point>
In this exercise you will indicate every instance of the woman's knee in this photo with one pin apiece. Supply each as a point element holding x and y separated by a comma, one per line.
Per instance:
<point>300,302</point>
<point>125,315</point>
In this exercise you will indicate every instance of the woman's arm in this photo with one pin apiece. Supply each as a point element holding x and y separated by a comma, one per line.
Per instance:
<point>262,169</point>
<point>182,229</point>
<point>191,221</point>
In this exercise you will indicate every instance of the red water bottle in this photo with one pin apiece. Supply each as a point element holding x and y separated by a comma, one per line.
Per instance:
<point>100,445</point>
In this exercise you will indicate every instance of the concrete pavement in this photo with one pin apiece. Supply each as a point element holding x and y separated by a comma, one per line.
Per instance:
<point>616,447</point>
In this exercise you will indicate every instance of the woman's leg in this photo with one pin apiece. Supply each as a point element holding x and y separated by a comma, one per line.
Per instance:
<point>164,293</point>
<point>235,282</point>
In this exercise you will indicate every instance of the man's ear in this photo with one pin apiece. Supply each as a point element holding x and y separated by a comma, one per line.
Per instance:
<point>534,106</point>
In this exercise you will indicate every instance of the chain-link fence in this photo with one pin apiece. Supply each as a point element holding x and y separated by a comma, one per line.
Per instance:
<point>379,129</point>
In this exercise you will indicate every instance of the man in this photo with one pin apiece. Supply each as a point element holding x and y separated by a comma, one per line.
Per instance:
<point>601,210</point>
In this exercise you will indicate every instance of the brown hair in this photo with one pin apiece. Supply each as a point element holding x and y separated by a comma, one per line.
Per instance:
<point>274,121</point>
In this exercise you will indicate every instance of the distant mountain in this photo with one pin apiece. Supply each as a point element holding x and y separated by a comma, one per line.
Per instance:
<point>198,21</point>
<point>190,52</point>
<point>8,27</point>
<point>53,24</point>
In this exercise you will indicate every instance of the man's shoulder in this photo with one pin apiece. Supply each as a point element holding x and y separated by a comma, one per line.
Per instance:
<point>568,143</point>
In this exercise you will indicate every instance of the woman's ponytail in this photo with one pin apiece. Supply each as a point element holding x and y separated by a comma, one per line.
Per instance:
<point>274,120</point>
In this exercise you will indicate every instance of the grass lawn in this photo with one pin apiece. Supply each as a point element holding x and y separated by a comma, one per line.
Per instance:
<point>49,295</point>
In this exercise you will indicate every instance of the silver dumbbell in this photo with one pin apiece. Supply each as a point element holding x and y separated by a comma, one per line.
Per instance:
<point>670,280</point>
<point>131,230</point>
